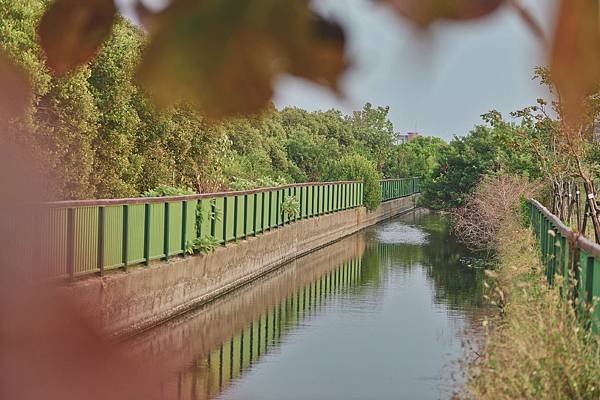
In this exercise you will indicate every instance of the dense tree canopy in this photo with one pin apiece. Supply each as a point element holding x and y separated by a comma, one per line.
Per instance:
<point>98,134</point>
<point>496,147</point>
<point>419,157</point>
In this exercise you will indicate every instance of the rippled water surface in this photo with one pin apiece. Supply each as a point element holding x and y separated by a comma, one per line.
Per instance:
<point>378,315</point>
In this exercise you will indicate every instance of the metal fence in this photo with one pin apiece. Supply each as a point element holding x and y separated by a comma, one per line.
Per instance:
<point>395,188</point>
<point>570,255</point>
<point>91,236</point>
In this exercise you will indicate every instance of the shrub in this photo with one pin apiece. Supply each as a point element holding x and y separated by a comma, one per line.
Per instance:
<point>164,190</point>
<point>247,184</point>
<point>496,199</point>
<point>358,167</point>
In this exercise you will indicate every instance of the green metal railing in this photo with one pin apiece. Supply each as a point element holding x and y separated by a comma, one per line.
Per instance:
<point>92,236</point>
<point>395,188</point>
<point>570,255</point>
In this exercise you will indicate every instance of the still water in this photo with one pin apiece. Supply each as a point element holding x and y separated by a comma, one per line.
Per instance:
<point>381,314</point>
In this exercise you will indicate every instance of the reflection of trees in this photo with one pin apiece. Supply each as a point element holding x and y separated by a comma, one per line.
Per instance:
<point>379,254</point>
<point>455,284</point>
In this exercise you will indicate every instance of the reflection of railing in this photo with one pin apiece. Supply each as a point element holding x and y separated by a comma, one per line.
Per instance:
<point>211,374</point>
<point>569,254</point>
<point>395,188</point>
<point>91,236</point>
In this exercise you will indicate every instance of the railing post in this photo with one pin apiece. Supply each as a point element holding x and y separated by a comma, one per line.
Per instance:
<point>245,216</point>
<point>235,217</point>
<point>184,218</point>
<point>262,212</point>
<point>147,216</point>
<point>299,203</point>
<point>315,204</point>
<point>71,242</point>
<point>302,201</point>
<point>225,220</point>
<point>101,227</point>
<point>38,229</point>
<point>277,210</point>
<point>362,194</point>
<point>166,231</point>
<point>255,208</point>
<point>346,187</point>
<point>125,249</point>
<point>270,209</point>
<point>213,218</point>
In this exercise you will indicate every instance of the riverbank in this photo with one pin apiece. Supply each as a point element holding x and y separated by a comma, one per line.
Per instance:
<point>535,347</point>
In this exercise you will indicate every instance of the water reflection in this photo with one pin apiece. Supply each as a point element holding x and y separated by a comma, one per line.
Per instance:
<point>376,315</point>
<point>213,373</point>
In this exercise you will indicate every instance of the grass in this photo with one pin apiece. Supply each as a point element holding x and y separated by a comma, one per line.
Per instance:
<point>535,347</point>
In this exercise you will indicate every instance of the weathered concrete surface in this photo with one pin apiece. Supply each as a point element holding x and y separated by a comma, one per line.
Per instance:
<point>123,302</point>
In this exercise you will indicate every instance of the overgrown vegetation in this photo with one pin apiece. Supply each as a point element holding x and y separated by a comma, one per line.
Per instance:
<point>290,207</point>
<point>204,244</point>
<point>495,200</point>
<point>537,347</point>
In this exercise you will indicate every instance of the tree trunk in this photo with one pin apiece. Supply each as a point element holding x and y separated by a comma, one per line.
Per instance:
<point>593,207</point>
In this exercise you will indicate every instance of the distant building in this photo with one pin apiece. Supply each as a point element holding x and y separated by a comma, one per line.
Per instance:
<point>406,137</point>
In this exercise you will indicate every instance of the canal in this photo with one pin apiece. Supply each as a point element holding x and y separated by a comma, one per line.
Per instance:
<point>381,314</point>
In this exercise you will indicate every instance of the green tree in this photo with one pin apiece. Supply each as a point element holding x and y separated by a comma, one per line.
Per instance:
<point>419,157</point>
<point>373,132</point>
<point>114,91</point>
<point>62,119</point>
<point>499,146</point>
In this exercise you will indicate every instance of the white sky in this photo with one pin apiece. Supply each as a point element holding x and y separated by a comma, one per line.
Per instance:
<point>437,82</point>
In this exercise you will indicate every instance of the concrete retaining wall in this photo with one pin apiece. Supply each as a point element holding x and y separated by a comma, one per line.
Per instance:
<point>124,302</point>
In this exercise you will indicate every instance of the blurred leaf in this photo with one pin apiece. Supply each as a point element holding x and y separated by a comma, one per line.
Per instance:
<point>223,55</point>
<point>576,54</point>
<point>71,31</point>
<point>16,90</point>
<point>424,12</point>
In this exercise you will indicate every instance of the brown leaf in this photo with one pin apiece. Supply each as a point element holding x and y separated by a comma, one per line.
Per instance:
<point>424,12</point>
<point>71,31</point>
<point>576,54</point>
<point>223,55</point>
<point>321,58</point>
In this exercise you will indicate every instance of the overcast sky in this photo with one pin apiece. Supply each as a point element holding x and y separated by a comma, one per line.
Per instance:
<point>437,82</point>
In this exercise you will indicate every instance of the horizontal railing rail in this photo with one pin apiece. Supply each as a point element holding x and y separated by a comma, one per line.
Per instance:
<point>81,237</point>
<point>195,196</point>
<point>570,255</point>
